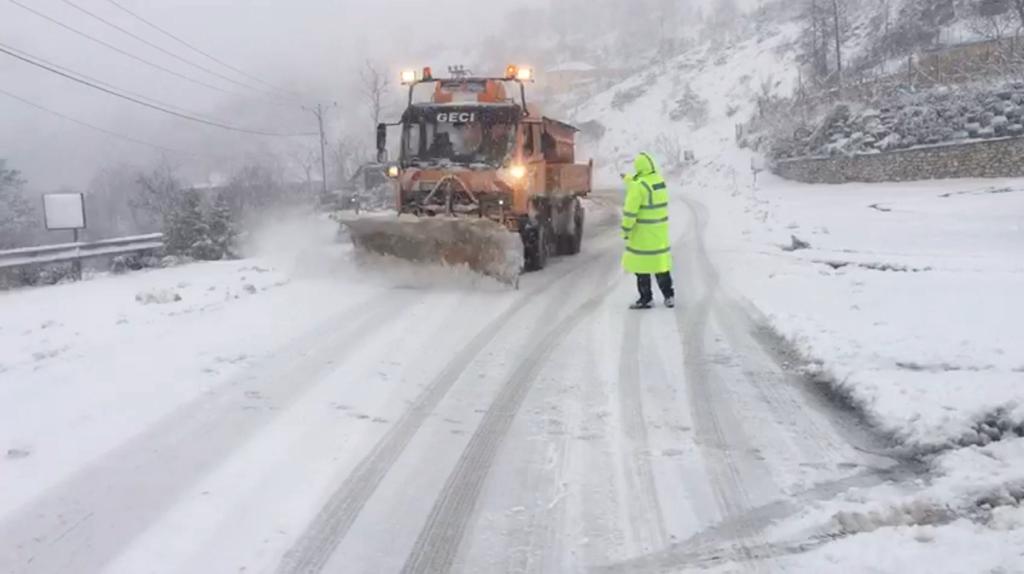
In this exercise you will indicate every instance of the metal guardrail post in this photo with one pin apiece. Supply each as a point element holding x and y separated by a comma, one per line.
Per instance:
<point>76,264</point>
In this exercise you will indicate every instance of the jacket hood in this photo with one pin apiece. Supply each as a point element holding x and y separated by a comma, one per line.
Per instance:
<point>644,164</point>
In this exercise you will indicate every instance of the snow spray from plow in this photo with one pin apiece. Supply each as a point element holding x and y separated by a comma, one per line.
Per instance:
<point>481,245</point>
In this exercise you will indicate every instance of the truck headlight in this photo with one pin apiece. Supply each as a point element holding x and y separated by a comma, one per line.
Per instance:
<point>393,171</point>
<point>517,171</point>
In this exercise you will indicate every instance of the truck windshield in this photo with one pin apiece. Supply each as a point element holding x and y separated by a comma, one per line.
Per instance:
<point>430,142</point>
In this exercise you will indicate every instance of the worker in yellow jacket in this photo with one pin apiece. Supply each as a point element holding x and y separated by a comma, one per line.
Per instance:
<point>645,229</point>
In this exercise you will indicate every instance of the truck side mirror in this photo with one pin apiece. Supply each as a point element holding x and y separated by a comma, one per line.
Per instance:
<point>382,143</point>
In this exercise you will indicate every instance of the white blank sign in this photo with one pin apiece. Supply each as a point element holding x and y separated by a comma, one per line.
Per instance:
<point>64,211</point>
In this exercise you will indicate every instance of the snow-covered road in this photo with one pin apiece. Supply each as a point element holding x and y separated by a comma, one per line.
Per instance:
<point>354,424</point>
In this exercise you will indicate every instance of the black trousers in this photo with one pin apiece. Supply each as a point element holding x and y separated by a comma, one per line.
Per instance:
<point>643,284</point>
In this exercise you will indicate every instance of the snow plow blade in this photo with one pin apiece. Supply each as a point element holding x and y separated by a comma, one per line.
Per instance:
<point>478,244</point>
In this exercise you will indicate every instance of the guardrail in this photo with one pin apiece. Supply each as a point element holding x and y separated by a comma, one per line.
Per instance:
<point>66,252</point>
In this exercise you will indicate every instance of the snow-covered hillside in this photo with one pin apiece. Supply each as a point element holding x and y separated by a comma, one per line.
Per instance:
<point>727,80</point>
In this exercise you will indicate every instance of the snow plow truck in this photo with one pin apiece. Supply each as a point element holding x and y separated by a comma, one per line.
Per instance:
<point>482,179</point>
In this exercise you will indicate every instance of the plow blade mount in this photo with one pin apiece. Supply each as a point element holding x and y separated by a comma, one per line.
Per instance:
<point>479,244</point>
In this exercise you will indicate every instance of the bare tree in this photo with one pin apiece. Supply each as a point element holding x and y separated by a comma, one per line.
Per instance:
<point>885,12</point>
<point>109,201</point>
<point>827,27</point>
<point>723,20</point>
<point>375,89</point>
<point>816,37</point>
<point>156,196</point>
<point>307,159</point>
<point>995,19</point>
<point>258,186</point>
<point>15,210</point>
<point>766,94</point>
<point>668,21</point>
<point>670,151</point>
<point>346,157</point>
<point>838,11</point>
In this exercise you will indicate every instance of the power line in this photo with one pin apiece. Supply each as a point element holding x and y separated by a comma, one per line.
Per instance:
<point>124,52</point>
<point>166,51</point>
<point>75,77</point>
<point>198,50</point>
<point>94,127</point>
<point>102,83</point>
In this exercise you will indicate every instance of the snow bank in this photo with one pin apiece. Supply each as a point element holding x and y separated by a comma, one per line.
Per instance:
<point>907,296</point>
<point>968,518</point>
<point>962,546</point>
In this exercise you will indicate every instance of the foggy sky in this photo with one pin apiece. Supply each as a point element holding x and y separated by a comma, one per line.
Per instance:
<point>315,47</point>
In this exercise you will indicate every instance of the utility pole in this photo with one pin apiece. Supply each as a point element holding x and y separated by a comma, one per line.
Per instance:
<point>839,45</point>
<point>319,113</point>
<point>323,148</point>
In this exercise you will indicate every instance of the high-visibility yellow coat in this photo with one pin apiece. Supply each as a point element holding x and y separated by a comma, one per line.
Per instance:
<point>645,220</point>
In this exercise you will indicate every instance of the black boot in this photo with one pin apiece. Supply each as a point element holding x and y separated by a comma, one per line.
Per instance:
<point>667,289</point>
<point>643,284</point>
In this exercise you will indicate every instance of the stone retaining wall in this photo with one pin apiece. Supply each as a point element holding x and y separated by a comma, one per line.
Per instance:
<point>991,158</point>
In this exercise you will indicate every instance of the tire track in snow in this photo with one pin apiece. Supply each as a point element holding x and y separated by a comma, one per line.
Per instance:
<point>536,540</point>
<point>85,521</point>
<point>316,545</point>
<point>314,548</point>
<point>833,435</point>
<point>600,505</point>
<point>437,546</point>
<point>736,534</point>
<point>541,531</point>
<point>776,389</point>
<point>718,431</point>
<point>772,384</point>
<point>645,513</point>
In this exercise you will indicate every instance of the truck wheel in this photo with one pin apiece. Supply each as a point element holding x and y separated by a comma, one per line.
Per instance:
<point>567,241</point>
<point>579,218</point>
<point>570,242</point>
<point>536,245</point>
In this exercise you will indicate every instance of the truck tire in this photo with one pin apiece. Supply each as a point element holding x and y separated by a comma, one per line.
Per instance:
<point>579,219</point>
<point>569,243</point>
<point>536,246</point>
<point>565,232</point>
